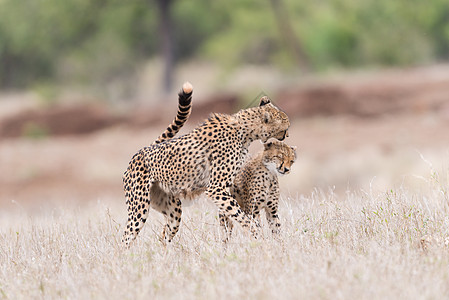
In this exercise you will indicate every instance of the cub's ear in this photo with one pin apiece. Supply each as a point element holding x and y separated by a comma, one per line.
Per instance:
<point>264,100</point>
<point>267,145</point>
<point>294,151</point>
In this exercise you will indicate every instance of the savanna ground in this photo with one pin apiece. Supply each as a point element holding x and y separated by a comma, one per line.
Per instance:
<point>364,212</point>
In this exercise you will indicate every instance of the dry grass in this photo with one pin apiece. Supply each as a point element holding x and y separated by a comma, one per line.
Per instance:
<point>366,245</point>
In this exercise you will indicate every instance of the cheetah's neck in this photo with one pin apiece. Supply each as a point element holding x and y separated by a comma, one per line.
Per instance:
<point>249,125</point>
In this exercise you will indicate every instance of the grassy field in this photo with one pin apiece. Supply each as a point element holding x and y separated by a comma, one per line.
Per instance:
<point>366,245</point>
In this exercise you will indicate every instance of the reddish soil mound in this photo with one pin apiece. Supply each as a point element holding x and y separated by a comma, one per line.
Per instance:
<point>82,119</point>
<point>226,104</point>
<point>57,121</point>
<point>392,93</point>
<point>409,91</point>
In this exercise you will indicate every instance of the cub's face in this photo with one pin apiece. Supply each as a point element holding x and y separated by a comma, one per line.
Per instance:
<point>279,157</point>
<point>275,123</point>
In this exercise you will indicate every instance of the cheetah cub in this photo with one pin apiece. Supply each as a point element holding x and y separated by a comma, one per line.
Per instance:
<point>256,186</point>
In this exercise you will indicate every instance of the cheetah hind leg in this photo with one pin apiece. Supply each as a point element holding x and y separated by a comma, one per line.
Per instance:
<point>170,207</point>
<point>172,214</point>
<point>138,201</point>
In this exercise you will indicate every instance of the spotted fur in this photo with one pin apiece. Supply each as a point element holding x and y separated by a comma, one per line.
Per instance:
<point>256,186</point>
<point>204,160</point>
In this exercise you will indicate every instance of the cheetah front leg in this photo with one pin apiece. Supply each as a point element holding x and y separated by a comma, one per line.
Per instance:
<point>229,207</point>
<point>173,214</point>
<point>227,226</point>
<point>273,221</point>
<point>271,210</point>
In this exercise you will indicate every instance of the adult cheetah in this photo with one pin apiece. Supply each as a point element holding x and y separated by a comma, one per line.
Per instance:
<point>204,160</point>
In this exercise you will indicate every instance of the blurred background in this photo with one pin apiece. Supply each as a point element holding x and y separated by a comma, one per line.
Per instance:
<point>84,84</point>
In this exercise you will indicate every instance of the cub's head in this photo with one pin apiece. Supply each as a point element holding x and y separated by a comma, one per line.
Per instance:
<point>275,122</point>
<point>279,157</point>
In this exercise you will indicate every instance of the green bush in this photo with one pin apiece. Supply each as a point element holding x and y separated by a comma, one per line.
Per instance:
<point>96,40</point>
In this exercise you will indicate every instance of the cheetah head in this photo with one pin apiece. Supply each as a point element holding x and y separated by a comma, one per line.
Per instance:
<point>275,123</point>
<point>279,157</point>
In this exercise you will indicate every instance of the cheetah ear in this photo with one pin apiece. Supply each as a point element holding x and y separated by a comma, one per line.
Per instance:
<point>294,151</point>
<point>266,117</point>
<point>267,145</point>
<point>264,100</point>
